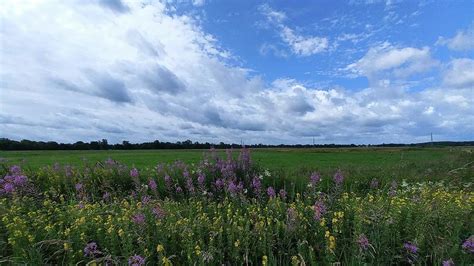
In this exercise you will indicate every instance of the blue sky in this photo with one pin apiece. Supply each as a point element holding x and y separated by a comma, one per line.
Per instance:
<point>351,28</point>
<point>266,72</point>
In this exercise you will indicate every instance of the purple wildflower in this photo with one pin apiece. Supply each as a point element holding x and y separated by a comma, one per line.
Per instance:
<point>146,199</point>
<point>136,260</point>
<point>363,242</point>
<point>158,212</point>
<point>282,194</point>
<point>449,262</point>
<point>138,218</point>
<point>20,180</point>
<point>78,186</point>
<point>168,181</point>
<point>410,247</point>
<point>91,250</point>
<point>468,245</point>
<point>319,209</point>
<point>338,177</point>
<point>271,192</point>
<point>186,173</point>
<point>314,179</point>
<point>190,185</point>
<point>134,173</point>
<point>232,188</point>
<point>179,190</point>
<point>152,184</point>
<point>106,196</point>
<point>110,162</point>
<point>15,170</point>
<point>244,158</point>
<point>374,183</point>
<point>412,250</point>
<point>9,188</point>
<point>201,178</point>
<point>219,184</point>
<point>256,185</point>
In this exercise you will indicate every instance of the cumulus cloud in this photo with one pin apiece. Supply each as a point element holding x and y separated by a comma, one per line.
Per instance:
<point>462,41</point>
<point>83,72</point>
<point>460,73</point>
<point>299,44</point>
<point>385,60</point>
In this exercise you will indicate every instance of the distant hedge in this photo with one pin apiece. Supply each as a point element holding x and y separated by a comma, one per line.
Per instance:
<point>8,144</point>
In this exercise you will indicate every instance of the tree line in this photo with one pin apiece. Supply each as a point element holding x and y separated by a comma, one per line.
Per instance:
<point>9,145</point>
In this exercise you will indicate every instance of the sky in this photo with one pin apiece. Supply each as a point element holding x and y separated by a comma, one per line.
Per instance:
<point>272,72</point>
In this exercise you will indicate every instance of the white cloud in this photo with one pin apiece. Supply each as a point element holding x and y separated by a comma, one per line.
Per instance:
<point>199,2</point>
<point>462,41</point>
<point>460,73</point>
<point>268,48</point>
<point>386,60</point>
<point>303,45</point>
<point>84,72</point>
<point>299,44</point>
<point>272,15</point>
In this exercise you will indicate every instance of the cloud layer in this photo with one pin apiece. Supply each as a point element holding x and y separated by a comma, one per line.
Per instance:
<point>140,71</point>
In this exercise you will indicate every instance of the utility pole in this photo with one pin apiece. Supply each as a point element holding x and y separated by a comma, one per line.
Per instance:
<point>432,138</point>
<point>313,141</point>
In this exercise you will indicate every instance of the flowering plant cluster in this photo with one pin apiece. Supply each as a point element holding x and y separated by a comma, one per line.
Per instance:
<point>227,211</point>
<point>14,182</point>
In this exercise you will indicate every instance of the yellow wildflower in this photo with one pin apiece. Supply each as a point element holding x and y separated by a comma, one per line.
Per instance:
<point>166,261</point>
<point>322,222</point>
<point>332,243</point>
<point>197,250</point>
<point>295,260</point>
<point>160,248</point>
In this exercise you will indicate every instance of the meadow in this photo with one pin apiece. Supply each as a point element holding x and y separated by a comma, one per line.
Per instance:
<point>384,206</point>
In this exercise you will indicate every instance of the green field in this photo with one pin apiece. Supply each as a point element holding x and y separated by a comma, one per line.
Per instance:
<point>395,162</point>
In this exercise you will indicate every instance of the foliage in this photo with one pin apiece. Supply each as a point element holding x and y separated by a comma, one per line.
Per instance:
<point>227,210</point>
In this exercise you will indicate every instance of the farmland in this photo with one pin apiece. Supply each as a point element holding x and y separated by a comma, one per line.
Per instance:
<point>261,207</point>
<point>435,161</point>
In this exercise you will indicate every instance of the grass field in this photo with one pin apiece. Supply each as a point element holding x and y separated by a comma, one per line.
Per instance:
<point>368,162</point>
<point>272,158</point>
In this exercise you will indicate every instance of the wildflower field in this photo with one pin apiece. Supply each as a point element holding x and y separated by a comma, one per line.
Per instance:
<point>229,209</point>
